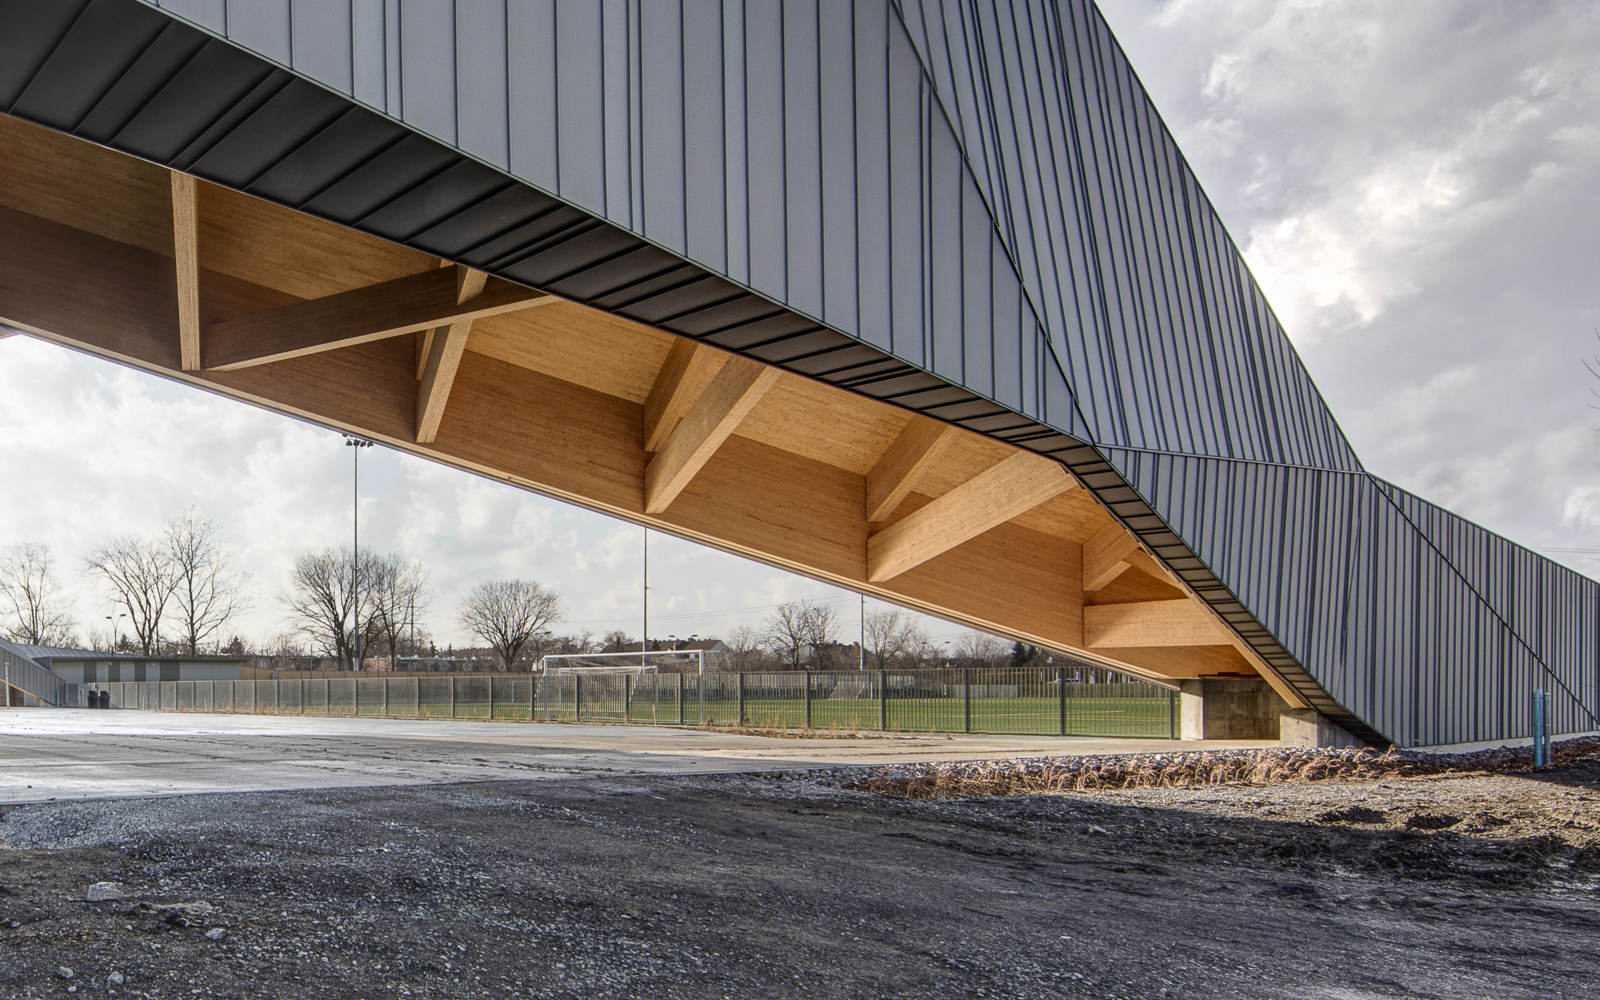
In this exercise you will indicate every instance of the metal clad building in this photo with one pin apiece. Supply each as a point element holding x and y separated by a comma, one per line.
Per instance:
<point>970,210</point>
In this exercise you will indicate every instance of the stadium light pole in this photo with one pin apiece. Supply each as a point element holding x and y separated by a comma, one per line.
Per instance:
<point>355,444</point>
<point>861,647</point>
<point>644,603</point>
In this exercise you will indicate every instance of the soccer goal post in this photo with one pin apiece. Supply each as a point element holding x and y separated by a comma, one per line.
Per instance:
<point>655,661</point>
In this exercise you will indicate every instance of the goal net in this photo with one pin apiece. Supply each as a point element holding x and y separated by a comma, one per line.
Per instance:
<point>673,661</point>
<point>621,687</point>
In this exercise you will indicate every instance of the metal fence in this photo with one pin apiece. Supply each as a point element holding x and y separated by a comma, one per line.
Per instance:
<point>34,684</point>
<point>1036,702</point>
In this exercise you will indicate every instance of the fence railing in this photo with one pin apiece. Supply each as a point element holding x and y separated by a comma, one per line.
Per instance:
<point>38,685</point>
<point>1019,701</point>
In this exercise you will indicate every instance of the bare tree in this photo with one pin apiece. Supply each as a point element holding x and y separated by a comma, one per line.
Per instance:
<point>794,625</point>
<point>321,600</point>
<point>392,593</point>
<point>508,614</point>
<point>616,641</point>
<point>786,631</point>
<point>980,649</point>
<point>206,593</point>
<point>820,626</point>
<point>31,597</point>
<point>744,648</point>
<point>890,634</point>
<point>142,575</point>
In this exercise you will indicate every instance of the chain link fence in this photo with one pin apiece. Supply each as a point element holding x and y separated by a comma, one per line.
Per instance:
<point>1016,701</point>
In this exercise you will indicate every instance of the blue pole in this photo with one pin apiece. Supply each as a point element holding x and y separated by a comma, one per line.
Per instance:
<point>1538,727</point>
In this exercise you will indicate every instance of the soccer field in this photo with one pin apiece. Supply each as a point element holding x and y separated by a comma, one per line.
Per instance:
<point>1001,703</point>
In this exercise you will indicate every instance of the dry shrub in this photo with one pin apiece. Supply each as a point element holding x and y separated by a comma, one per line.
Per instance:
<point>978,779</point>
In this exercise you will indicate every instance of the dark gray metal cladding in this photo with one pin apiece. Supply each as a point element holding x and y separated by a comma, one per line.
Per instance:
<point>970,210</point>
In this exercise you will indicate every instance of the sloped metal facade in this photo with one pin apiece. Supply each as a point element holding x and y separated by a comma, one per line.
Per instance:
<point>967,209</point>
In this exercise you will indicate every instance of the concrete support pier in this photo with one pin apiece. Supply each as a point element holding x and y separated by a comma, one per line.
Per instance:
<point>1246,708</point>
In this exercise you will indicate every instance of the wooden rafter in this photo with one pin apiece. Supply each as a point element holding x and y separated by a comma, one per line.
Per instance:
<point>404,305</point>
<point>1179,622</point>
<point>671,395</point>
<point>891,479</point>
<point>425,338</point>
<point>444,357</point>
<point>991,498</point>
<point>709,422</point>
<point>186,259</point>
<point>1106,556</point>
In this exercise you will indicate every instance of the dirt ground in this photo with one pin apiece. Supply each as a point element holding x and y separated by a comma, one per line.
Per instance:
<point>788,885</point>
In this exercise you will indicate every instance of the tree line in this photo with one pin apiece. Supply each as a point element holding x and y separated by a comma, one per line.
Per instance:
<point>178,592</point>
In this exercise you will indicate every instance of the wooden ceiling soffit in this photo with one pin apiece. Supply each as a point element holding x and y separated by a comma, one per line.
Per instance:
<point>410,304</point>
<point>895,473</point>
<point>712,418</point>
<point>991,498</point>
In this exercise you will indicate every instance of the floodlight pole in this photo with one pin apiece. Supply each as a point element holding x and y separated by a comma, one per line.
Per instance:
<point>861,647</point>
<point>644,603</point>
<point>355,444</point>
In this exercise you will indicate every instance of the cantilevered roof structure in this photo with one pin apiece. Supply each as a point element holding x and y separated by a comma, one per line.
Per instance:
<point>916,297</point>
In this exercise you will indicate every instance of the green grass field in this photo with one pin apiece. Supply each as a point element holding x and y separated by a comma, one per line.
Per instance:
<point>1143,715</point>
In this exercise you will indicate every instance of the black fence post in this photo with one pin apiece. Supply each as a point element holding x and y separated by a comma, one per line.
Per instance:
<point>452,696</point>
<point>1061,699</point>
<point>966,700</point>
<point>577,697</point>
<point>491,697</point>
<point>627,699</point>
<point>808,699</point>
<point>883,703</point>
<point>740,687</point>
<point>680,699</point>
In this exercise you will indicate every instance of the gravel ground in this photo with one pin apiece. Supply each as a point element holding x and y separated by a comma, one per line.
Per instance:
<point>788,885</point>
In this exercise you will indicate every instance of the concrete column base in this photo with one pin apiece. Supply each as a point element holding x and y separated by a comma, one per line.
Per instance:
<point>1228,708</point>
<point>1305,727</point>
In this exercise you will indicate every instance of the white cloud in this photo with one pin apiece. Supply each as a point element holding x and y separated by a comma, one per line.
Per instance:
<point>1413,186</point>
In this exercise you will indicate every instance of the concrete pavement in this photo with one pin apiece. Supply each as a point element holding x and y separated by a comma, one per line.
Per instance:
<point>48,754</point>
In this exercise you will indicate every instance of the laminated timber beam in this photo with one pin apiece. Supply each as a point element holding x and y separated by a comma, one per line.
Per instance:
<point>687,365</point>
<point>1014,486</point>
<point>715,415</point>
<point>1106,556</point>
<point>186,260</point>
<point>890,480</point>
<point>403,305</point>
<point>1180,622</point>
<point>444,358</point>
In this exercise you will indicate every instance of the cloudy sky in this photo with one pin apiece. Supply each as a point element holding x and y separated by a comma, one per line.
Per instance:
<point>1414,184</point>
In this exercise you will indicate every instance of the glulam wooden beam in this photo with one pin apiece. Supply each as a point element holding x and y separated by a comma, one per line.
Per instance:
<point>989,499</point>
<point>1180,622</point>
<point>404,305</point>
<point>444,357</point>
<point>186,260</point>
<point>715,415</point>
<point>1106,556</point>
<point>687,364</point>
<point>895,473</point>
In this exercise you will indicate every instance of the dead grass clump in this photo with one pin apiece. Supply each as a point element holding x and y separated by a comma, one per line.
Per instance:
<point>980,779</point>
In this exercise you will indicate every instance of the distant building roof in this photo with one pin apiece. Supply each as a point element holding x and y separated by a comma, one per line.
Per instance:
<point>40,653</point>
<point>37,653</point>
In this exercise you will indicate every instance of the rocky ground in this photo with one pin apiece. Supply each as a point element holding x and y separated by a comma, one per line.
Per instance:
<point>1459,884</point>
